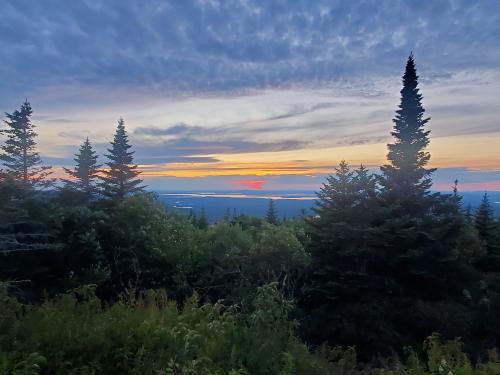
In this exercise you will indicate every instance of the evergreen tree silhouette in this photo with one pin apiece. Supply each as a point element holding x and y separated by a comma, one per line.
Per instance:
<point>202,220</point>
<point>406,178</point>
<point>485,222</point>
<point>339,231</point>
<point>227,215</point>
<point>85,172</point>
<point>272,213</point>
<point>469,218</point>
<point>120,179</point>
<point>19,155</point>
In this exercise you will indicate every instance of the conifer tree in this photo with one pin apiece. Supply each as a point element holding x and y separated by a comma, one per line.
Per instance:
<point>406,179</point>
<point>120,179</point>
<point>339,228</point>
<point>85,172</point>
<point>19,154</point>
<point>341,275</point>
<point>272,213</point>
<point>202,220</point>
<point>485,222</point>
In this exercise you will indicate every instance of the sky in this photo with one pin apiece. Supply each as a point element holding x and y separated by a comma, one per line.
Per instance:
<point>247,94</point>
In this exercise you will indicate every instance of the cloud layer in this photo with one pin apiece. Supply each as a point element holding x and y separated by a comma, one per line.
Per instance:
<point>282,89</point>
<point>212,44</point>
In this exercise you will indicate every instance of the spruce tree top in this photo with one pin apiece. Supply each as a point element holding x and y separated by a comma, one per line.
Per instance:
<point>272,213</point>
<point>85,171</point>
<point>121,179</point>
<point>406,174</point>
<point>485,221</point>
<point>19,155</point>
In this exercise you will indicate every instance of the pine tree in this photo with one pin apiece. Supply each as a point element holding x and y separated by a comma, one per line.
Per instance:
<point>344,209</point>
<point>342,278</point>
<point>120,179</point>
<point>202,220</point>
<point>406,179</point>
<point>485,222</point>
<point>469,218</point>
<point>272,213</point>
<point>417,235</point>
<point>85,172</point>
<point>19,155</point>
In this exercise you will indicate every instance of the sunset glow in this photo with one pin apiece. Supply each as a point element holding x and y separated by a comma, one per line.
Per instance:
<point>286,116</point>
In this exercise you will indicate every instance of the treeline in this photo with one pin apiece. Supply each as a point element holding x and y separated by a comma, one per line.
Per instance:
<point>381,265</point>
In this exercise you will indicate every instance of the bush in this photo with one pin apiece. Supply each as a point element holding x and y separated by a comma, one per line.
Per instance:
<point>147,333</point>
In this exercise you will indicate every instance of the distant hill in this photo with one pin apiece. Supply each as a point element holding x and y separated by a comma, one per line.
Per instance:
<point>255,203</point>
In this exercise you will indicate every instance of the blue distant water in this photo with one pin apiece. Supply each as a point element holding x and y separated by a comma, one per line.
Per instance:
<point>255,203</point>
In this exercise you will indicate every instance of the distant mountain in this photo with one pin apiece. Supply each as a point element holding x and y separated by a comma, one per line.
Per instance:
<point>255,203</point>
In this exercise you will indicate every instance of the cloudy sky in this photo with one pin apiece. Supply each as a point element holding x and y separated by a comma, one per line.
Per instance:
<point>255,94</point>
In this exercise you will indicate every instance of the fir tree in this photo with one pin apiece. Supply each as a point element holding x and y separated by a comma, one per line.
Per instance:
<point>339,229</point>
<point>85,172</point>
<point>485,222</point>
<point>202,220</point>
<point>342,261</point>
<point>120,179</point>
<point>406,178</point>
<point>19,155</point>
<point>272,213</point>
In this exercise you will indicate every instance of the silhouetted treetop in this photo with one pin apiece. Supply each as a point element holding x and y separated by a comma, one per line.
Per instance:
<point>19,155</point>
<point>406,174</point>
<point>120,179</point>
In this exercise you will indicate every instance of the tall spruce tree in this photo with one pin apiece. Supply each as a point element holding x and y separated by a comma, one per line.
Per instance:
<point>19,155</point>
<point>406,179</point>
<point>382,254</point>
<point>85,172</point>
<point>419,233</point>
<point>272,213</point>
<point>120,179</point>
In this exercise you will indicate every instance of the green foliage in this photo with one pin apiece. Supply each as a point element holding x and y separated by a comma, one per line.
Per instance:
<point>147,333</point>
<point>27,248</point>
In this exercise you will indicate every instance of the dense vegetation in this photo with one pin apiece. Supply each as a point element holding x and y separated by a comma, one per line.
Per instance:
<point>99,277</point>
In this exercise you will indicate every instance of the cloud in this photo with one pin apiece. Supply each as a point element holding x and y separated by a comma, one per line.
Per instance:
<point>178,129</point>
<point>177,160</point>
<point>200,82</point>
<point>163,151</point>
<point>227,45</point>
